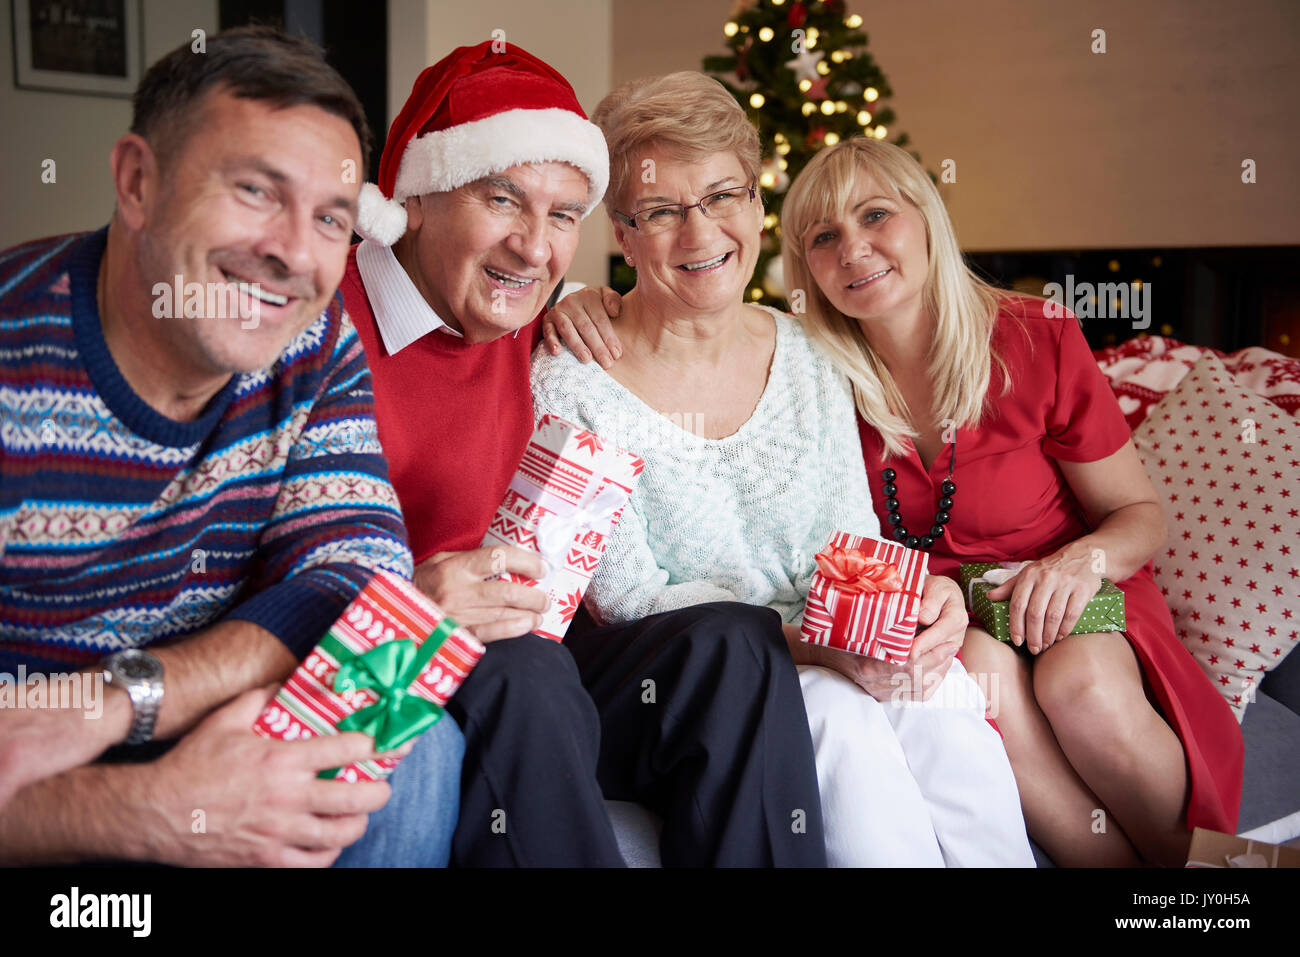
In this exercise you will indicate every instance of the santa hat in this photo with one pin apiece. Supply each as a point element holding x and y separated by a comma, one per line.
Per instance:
<point>479,111</point>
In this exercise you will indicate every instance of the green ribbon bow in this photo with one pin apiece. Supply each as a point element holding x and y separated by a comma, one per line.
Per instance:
<point>390,669</point>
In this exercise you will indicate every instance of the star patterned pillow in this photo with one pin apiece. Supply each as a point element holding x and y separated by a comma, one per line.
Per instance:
<point>1226,463</point>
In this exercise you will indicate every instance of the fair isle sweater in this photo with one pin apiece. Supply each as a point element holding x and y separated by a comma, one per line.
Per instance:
<point>732,519</point>
<point>121,528</point>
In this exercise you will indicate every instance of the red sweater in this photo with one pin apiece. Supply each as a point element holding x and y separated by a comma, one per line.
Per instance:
<point>453,418</point>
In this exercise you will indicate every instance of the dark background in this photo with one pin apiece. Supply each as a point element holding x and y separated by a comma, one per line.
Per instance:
<point>355,39</point>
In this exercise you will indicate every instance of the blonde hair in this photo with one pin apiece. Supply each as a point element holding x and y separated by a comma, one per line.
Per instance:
<point>687,114</point>
<point>963,306</point>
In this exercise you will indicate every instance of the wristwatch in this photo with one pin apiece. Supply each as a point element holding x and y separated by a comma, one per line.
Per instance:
<point>140,675</point>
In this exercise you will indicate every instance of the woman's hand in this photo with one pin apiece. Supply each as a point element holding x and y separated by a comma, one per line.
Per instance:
<point>943,622</point>
<point>582,320</point>
<point>1049,595</point>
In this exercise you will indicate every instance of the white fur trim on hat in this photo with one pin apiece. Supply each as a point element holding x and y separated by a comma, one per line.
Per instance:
<point>444,160</point>
<point>379,218</point>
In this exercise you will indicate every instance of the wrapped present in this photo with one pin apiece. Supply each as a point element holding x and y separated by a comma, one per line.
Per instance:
<point>1105,612</point>
<point>563,502</point>
<point>385,668</point>
<point>865,597</point>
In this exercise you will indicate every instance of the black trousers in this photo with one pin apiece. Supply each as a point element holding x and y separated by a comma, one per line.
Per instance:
<point>696,714</point>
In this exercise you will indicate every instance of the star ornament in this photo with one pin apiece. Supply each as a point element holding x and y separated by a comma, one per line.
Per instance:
<point>805,65</point>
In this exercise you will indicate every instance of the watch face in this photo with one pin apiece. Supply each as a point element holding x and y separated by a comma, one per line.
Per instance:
<point>137,665</point>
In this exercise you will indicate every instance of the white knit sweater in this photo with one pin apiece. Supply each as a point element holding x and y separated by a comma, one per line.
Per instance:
<point>733,519</point>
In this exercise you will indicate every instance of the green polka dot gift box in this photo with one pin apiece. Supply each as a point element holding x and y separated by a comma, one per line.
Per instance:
<point>1104,613</point>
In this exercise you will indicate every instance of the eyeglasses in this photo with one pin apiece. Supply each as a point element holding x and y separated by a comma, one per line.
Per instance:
<point>720,205</point>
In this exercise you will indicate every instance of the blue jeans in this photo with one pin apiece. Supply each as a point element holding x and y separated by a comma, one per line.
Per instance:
<point>414,828</point>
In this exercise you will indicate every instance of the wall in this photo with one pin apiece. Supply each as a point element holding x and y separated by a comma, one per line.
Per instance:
<point>571,35</point>
<point>75,131</point>
<point>1055,146</point>
<point>78,131</point>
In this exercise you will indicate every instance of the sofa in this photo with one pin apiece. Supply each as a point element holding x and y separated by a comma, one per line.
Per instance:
<point>1162,386</point>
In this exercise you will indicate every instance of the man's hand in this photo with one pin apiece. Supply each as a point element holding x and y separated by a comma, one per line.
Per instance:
<point>37,743</point>
<point>261,802</point>
<point>582,319</point>
<point>463,585</point>
<point>943,628</point>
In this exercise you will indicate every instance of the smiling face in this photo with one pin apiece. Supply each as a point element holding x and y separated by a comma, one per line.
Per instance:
<point>872,261</point>
<point>704,265</point>
<point>487,256</point>
<point>254,207</point>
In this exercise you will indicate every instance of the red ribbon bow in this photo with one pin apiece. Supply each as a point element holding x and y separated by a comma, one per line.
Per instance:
<point>855,572</point>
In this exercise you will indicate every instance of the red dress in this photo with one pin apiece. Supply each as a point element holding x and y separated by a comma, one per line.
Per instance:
<point>1013,504</point>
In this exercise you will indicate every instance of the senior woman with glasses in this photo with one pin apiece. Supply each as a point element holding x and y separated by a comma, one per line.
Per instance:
<point>752,459</point>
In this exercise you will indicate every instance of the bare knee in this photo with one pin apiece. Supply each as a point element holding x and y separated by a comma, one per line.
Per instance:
<point>999,671</point>
<point>1074,685</point>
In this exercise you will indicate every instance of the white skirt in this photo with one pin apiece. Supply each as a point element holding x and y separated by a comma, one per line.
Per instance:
<point>914,784</point>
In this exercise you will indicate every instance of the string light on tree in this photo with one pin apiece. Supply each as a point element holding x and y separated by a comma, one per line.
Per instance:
<point>804,73</point>
<point>773,176</point>
<point>774,279</point>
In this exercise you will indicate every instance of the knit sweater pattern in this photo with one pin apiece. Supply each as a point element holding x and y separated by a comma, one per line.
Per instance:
<point>732,519</point>
<point>121,528</point>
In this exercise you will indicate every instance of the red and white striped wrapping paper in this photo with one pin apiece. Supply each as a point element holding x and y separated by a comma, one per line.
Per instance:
<point>563,502</point>
<point>389,608</point>
<point>880,626</point>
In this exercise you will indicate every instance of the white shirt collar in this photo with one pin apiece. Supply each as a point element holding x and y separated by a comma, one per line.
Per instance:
<point>401,312</point>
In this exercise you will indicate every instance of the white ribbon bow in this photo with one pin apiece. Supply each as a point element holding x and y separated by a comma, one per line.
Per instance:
<point>994,577</point>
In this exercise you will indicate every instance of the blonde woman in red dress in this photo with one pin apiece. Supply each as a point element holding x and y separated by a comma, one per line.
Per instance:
<point>990,435</point>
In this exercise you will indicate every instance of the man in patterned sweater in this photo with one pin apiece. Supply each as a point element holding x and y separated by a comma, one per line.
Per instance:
<point>189,465</point>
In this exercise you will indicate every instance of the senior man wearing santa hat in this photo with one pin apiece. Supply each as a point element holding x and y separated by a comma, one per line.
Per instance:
<point>487,174</point>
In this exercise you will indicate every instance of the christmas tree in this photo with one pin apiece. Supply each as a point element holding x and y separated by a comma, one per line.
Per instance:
<point>802,71</point>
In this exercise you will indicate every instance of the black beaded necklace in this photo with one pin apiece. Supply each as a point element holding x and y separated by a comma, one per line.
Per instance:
<point>941,517</point>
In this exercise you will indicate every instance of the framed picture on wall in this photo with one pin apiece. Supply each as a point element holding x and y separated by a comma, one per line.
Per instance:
<point>77,46</point>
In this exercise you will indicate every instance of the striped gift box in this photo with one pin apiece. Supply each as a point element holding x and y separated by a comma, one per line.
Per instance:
<point>388,609</point>
<point>880,625</point>
<point>563,502</point>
